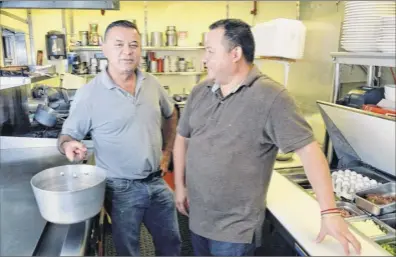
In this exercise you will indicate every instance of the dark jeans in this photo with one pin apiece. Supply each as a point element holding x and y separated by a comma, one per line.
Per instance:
<point>206,247</point>
<point>133,202</point>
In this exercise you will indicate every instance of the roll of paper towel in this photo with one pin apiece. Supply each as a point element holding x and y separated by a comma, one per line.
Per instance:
<point>280,38</point>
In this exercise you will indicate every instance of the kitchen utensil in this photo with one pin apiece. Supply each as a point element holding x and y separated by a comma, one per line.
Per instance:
<point>69,194</point>
<point>45,116</point>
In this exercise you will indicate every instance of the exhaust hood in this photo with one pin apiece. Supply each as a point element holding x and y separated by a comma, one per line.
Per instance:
<point>71,4</point>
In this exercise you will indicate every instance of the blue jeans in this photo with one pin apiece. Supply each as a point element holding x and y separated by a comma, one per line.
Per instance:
<point>206,247</point>
<point>131,203</point>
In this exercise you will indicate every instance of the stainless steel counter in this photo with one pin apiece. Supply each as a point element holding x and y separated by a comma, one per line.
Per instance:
<point>21,225</point>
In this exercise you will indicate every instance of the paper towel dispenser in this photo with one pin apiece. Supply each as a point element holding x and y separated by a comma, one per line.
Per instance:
<point>280,38</point>
<point>75,4</point>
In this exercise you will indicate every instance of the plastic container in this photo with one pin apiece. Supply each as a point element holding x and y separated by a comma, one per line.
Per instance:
<point>390,92</point>
<point>280,38</point>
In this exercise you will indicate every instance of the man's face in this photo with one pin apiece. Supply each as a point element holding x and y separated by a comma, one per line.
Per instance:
<point>219,60</point>
<point>122,49</point>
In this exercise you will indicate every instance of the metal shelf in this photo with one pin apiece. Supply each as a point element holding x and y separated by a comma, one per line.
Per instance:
<point>368,58</point>
<point>193,73</point>
<point>144,48</point>
<point>179,73</point>
<point>9,82</point>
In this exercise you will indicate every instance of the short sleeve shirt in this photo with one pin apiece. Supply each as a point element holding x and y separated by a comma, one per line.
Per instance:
<point>125,128</point>
<point>232,146</point>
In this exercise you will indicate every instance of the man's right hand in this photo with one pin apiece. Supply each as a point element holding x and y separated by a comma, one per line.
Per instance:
<point>74,150</point>
<point>181,199</point>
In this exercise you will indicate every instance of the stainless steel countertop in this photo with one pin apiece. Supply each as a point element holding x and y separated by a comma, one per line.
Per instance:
<point>21,224</point>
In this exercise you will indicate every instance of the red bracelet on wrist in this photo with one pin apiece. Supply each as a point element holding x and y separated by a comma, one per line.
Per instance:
<point>330,210</point>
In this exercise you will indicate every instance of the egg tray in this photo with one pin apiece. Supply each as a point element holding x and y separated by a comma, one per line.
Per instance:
<point>364,171</point>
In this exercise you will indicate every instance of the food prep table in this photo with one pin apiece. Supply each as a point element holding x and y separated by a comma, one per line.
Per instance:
<point>375,222</point>
<point>23,232</point>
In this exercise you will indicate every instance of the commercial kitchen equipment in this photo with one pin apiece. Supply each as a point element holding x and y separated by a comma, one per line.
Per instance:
<point>26,149</point>
<point>362,95</point>
<point>364,143</point>
<point>56,45</point>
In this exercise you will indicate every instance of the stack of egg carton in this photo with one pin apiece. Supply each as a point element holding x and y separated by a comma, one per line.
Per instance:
<point>347,182</point>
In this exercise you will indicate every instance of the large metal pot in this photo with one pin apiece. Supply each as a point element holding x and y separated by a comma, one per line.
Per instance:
<point>69,194</point>
<point>45,116</point>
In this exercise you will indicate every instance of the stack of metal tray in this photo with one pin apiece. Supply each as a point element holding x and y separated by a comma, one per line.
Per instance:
<point>388,189</point>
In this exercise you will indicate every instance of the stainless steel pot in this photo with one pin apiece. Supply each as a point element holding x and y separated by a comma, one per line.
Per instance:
<point>69,194</point>
<point>45,115</point>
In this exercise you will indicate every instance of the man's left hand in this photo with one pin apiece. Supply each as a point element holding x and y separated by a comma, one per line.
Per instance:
<point>336,227</point>
<point>165,163</point>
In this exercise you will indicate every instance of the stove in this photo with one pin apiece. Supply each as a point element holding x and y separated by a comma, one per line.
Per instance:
<point>39,131</point>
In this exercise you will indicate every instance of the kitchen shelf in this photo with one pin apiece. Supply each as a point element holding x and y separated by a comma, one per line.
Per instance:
<point>179,73</point>
<point>9,82</point>
<point>144,48</point>
<point>161,73</point>
<point>367,58</point>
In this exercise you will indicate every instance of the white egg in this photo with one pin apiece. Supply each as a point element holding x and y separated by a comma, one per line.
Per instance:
<point>359,176</point>
<point>353,173</point>
<point>366,179</point>
<point>373,182</point>
<point>347,171</point>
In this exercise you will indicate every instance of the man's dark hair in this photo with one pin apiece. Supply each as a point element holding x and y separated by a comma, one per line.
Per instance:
<point>122,24</point>
<point>237,33</point>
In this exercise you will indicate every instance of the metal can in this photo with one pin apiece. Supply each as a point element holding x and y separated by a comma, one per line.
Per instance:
<point>84,38</point>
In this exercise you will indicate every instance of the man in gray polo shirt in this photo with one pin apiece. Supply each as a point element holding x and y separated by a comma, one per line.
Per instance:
<point>122,108</point>
<point>235,122</point>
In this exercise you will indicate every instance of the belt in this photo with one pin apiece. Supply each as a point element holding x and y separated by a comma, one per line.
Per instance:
<point>153,175</point>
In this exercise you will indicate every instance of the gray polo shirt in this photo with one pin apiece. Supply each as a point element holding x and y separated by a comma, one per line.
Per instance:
<point>233,142</point>
<point>126,129</point>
